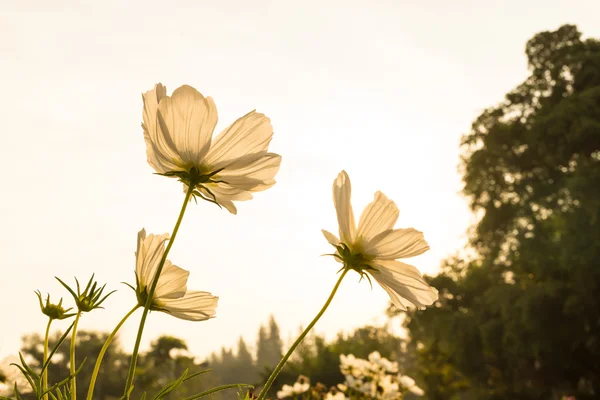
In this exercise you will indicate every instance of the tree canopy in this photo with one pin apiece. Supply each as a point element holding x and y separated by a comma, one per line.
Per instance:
<point>520,318</point>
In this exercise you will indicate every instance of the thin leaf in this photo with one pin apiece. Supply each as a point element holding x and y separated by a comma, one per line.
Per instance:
<point>60,341</point>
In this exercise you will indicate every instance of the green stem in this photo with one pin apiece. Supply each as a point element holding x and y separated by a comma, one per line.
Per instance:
<point>267,386</point>
<point>45,374</point>
<point>134,354</point>
<point>109,340</point>
<point>72,357</point>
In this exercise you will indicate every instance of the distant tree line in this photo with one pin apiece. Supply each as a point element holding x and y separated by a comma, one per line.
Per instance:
<point>168,357</point>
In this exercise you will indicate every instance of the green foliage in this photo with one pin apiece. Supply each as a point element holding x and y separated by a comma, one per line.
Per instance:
<point>320,360</point>
<point>166,370</point>
<point>521,319</point>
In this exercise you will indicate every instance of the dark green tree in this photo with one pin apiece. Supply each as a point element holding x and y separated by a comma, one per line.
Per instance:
<point>112,372</point>
<point>521,318</point>
<point>319,359</point>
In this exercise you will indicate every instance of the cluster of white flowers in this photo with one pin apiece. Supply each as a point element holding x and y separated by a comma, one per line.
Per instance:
<point>376,377</point>
<point>301,386</point>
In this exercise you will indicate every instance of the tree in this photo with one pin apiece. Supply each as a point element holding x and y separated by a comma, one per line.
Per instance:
<point>112,372</point>
<point>268,347</point>
<point>320,360</point>
<point>521,319</point>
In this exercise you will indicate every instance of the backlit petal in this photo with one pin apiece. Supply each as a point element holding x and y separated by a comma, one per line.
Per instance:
<point>161,154</point>
<point>172,283</point>
<point>341,199</point>
<point>404,284</point>
<point>331,238</point>
<point>397,243</point>
<point>249,134</point>
<point>150,250</point>
<point>259,168</point>
<point>380,215</point>
<point>186,121</point>
<point>194,306</point>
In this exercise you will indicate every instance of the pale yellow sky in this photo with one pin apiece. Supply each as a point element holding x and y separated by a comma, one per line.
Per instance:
<point>383,89</point>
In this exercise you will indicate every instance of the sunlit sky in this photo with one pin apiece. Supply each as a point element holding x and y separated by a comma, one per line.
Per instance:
<point>382,89</point>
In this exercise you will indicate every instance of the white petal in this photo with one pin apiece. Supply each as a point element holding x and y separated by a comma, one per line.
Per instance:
<point>151,99</point>
<point>186,121</point>
<point>225,194</point>
<point>249,134</point>
<point>404,284</point>
<point>172,283</point>
<point>229,206</point>
<point>157,160</point>
<point>258,168</point>
<point>341,199</point>
<point>331,238</point>
<point>150,250</point>
<point>194,306</point>
<point>397,243</point>
<point>224,191</point>
<point>380,215</point>
<point>160,153</point>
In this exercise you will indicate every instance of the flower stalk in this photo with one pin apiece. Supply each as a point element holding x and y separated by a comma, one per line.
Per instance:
<point>287,355</point>
<point>72,357</point>
<point>45,374</point>
<point>134,354</point>
<point>100,357</point>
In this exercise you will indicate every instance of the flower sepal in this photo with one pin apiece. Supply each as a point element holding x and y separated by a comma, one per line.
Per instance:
<point>91,298</point>
<point>53,311</point>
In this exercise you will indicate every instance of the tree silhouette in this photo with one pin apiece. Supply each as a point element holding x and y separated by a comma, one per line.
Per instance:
<point>521,318</point>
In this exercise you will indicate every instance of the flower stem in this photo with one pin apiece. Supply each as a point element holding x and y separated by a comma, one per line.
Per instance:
<point>109,340</point>
<point>72,357</point>
<point>45,374</point>
<point>275,372</point>
<point>134,354</point>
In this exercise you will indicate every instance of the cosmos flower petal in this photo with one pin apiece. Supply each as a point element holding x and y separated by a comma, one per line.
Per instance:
<point>249,134</point>
<point>186,121</point>
<point>157,160</point>
<point>172,283</point>
<point>404,287</point>
<point>380,215</point>
<point>150,250</point>
<point>400,269</point>
<point>342,191</point>
<point>194,306</point>
<point>331,238</point>
<point>397,243</point>
<point>258,167</point>
<point>160,153</point>
<point>225,194</point>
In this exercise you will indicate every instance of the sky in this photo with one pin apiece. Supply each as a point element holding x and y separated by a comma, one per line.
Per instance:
<point>382,89</point>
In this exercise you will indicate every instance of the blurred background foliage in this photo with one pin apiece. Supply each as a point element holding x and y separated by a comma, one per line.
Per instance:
<point>519,310</point>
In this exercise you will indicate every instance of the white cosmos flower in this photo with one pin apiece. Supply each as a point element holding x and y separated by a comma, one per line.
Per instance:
<point>171,294</point>
<point>178,133</point>
<point>374,246</point>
